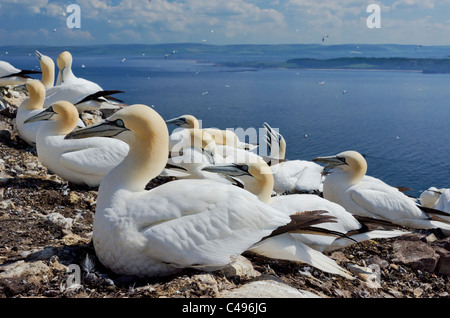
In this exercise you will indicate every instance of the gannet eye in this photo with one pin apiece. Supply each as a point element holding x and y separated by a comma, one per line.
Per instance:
<point>119,123</point>
<point>244,167</point>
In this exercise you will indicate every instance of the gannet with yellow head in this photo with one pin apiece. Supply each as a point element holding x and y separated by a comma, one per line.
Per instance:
<point>257,178</point>
<point>348,185</point>
<point>83,162</point>
<point>84,94</point>
<point>184,223</point>
<point>30,107</point>
<point>292,176</point>
<point>66,76</point>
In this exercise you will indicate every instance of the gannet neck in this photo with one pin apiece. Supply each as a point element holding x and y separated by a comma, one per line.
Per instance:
<point>266,182</point>
<point>149,146</point>
<point>66,119</point>
<point>48,71</point>
<point>263,183</point>
<point>282,148</point>
<point>350,164</point>
<point>36,91</point>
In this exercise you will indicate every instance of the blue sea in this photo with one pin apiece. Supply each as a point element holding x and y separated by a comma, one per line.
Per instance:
<point>399,120</point>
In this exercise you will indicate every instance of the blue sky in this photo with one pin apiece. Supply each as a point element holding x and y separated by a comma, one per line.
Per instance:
<point>44,22</point>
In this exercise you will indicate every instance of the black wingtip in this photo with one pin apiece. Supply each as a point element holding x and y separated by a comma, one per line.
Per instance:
<point>23,73</point>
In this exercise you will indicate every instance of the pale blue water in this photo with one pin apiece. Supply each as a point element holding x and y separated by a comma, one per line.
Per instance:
<point>399,120</point>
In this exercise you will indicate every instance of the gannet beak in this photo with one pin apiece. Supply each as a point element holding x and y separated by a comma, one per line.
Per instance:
<point>228,169</point>
<point>331,161</point>
<point>103,129</point>
<point>46,114</point>
<point>38,54</point>
<point>179,121</point>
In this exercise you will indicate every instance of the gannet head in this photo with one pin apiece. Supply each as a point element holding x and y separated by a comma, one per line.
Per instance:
<point>258,170</point>
<point>48,69</point>
<point>185,121</point>
<point>64,60</point>
<point>130,123</point>
<point>144,130</point>
<point>350,161</point>
<point>63,113</point>
<point>36,91</point>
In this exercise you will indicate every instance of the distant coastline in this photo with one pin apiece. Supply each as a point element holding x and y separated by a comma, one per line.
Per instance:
<point>424,65</point>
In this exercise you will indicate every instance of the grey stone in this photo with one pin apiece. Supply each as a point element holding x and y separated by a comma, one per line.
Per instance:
<point>416,255</point>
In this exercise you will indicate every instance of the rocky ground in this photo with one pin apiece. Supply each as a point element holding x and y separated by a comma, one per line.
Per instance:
<point>46,248</point>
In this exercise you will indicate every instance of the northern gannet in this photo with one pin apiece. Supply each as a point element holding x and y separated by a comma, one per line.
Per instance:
<point>66,76</point>
<point>258,179</point>
<point>84,94</point>
<point>83,162</point>
<point>221,137</point>
<point>292,176</point>
<point>47,68</point>
<point>30,107</point>
<point>199,224</point>
<point>10,75</point>
<point>348,185</point>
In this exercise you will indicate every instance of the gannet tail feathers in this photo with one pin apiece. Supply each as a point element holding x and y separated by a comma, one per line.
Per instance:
<point>361,237</point>
<point>368,220</point>
<point>304,220</point>
<point>288,248</point>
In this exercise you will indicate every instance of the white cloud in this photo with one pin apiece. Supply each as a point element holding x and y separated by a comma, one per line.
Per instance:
<point>233,21</point>
<point>413,3</point>
<point>15,7</point>
<point>190,17</point>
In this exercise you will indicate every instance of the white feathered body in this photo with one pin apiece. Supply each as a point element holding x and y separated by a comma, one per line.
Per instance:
<point>84,161</point>
<point>297,176</point>
<point>27,131</point>
<point>7,76</point>
<point>174,225</point>
<point>373,198</point>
